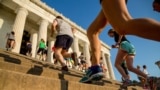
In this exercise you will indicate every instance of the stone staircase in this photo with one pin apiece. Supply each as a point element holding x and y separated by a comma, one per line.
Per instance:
<point>19,72</point>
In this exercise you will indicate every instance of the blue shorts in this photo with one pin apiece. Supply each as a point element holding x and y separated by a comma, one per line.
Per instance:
<point>128,47</point>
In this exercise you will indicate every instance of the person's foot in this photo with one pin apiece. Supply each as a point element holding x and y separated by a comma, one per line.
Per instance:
<point>64,68</point>
<point>126,82</point>
<point>9,49</point>
<point>93,73</point>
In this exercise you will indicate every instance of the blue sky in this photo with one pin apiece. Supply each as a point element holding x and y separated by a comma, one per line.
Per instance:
<point>83,12</point>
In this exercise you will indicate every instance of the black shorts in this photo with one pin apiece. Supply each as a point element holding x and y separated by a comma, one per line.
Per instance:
<point>42,50</point>
<point>28,49</point>
<point>11,39</point>
<point>63,41</point>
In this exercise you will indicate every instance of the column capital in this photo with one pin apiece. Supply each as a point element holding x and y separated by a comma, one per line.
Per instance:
<point>76,39</point>
<point>75,36</point>
<point>43,21</point>
<point>33,31</point>
<point>21,9</point>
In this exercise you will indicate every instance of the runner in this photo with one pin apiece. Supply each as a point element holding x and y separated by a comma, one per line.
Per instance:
<point>126,52</point>
<point>10,40</point>
<point>63,42</point>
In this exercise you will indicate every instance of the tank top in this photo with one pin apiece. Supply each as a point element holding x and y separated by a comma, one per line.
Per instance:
<point>116,37</point>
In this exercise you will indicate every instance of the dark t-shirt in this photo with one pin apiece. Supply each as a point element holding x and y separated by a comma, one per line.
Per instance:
<point>116,37</point>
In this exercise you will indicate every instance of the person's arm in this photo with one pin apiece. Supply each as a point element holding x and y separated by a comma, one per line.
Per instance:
<point>53,27</point>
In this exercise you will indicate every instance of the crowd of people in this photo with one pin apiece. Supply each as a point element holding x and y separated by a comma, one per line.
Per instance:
<point>114,12</point>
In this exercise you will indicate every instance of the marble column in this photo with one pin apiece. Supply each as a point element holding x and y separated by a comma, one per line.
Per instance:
<point>76,47</point>
<point>18,27</point>
<point>50,52</point>
<point>104,61</point>
<point>43,30</point>
<point>87,53</point>
<point>110,68</point>
<point>34,38</point>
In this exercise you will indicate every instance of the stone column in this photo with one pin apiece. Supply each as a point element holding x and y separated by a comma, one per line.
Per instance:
<point>87,53</point>
<point>104,61</point>
<point>43,30</point>
<point>34,38</point>
<point>50,53</point>
<point>76,47</point>
<point>110,69</point>
<point>18,27</point>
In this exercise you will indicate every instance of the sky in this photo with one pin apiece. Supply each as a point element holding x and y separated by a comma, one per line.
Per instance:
<point>83,12</point>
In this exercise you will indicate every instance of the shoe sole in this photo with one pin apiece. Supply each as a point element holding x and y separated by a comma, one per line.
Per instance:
<point>94,77</point>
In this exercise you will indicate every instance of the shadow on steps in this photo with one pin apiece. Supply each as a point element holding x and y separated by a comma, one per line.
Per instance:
<point>7,58</point>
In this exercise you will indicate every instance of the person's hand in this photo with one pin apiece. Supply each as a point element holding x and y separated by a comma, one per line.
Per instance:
<point>115,46</point>
<point>156,5</point>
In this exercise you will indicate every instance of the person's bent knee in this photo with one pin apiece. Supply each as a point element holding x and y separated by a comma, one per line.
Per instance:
<point>91,34</point>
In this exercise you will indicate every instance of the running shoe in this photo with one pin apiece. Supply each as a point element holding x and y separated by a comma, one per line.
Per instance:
<point>94,73</point>
<point>127,82</point>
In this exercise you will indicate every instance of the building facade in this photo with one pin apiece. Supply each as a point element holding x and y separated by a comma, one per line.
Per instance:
<point>32,19</point>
